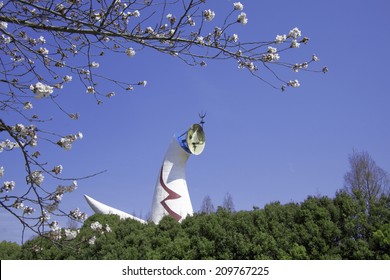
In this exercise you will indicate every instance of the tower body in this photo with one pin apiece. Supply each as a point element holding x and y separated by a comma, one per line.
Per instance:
<point>171,196</point>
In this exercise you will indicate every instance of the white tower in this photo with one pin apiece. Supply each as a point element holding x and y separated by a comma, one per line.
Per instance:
<point>171,195</point>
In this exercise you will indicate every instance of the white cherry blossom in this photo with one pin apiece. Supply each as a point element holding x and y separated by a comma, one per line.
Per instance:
<point>41,90</point>
<point>294,83</point>
<point>209,15</point>
<point>294,33</point>
<point>242,18</point>
<point>280,38</point>
<point>130,52</point>
<point>238,6</point>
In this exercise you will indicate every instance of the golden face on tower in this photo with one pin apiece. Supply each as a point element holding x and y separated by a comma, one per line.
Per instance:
<point>196,139</point>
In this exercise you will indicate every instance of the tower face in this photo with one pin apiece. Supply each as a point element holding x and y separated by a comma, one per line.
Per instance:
<point>171,195</point>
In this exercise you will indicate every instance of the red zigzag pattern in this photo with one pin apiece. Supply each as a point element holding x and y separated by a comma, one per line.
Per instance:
<point>171,195</point>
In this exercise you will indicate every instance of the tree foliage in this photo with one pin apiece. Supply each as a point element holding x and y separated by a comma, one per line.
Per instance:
<point>9,250</point>
<point>45,45</point>
<point>318,228</point>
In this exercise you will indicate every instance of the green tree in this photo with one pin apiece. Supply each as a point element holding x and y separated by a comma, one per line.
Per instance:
<point>317,228</point>
<point>9,250</point>
<point>354,226</point>
<point>381,241</point>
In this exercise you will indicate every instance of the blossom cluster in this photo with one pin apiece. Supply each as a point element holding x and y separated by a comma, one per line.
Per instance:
<point>238,6</point>
<point>242,18</point>
<point>41,90</point>
<point>7,186</point>
<point>8,145</point>
<point>67,189</point>
<point>293,35</point>
<point>67,141</point>
<point>271,55</point>
<point>92,240</point>
<point>57,233</point>
<point>248,65</point>
<point>126,16</point>
<point>99,228</point>
<point>25,134</point>
<point>44,217</point>
<point>71,234</point>
<point>57,169</point>
<point>209,15</point>
<point>130,52</point>
<point>3,25</point>
<point>297,66</point>
<point>36,177</point>
<point>18,202</point>
<point>61,190</point>
<point>78,215</point>
<point>294,83</point>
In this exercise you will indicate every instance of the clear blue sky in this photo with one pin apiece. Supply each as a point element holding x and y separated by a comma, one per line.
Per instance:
<point>262,145</point>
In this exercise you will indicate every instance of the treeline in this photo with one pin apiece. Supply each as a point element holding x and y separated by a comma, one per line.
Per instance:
<point>344,227</point>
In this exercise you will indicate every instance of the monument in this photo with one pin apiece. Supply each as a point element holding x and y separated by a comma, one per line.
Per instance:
<point>171,196</point>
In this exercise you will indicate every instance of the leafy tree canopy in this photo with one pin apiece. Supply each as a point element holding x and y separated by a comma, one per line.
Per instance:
<point>342,227</point>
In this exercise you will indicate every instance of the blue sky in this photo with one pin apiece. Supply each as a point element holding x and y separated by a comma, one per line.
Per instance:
<point>262,145</point>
